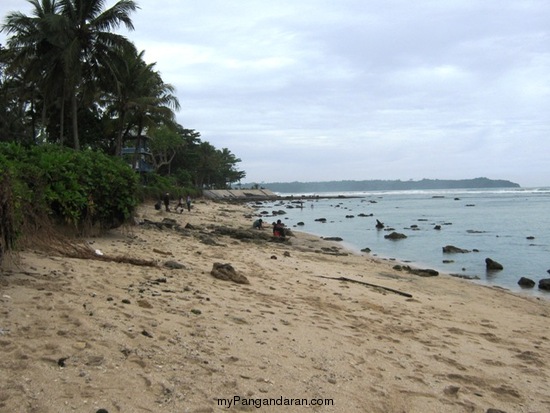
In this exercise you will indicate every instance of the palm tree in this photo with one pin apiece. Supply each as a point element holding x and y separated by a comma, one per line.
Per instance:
<point>32,55</point>
<point>91,45</point>
<point>139,98</point>
<point>155,102</point>
<point>71,41</point>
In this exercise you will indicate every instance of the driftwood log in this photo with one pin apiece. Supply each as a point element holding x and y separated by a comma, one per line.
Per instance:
<point>368,285</point>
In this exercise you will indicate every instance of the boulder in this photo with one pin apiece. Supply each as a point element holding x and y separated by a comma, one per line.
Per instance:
<point>493,265</point>
<point>395,236</point>
<point>226,272</point>
<point>526,282</point>
<point>451,249</point>
<point>544,284</point>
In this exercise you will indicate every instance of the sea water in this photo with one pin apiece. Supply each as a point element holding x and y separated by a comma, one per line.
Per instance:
<point>510,226</point>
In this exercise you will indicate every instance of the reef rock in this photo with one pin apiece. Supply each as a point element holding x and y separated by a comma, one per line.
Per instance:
<point>526,282</point>
<point>544,284</point>
<point>226,272</point>
<point>395,236</point>
<point>451,249</point>
<point>493,265</point>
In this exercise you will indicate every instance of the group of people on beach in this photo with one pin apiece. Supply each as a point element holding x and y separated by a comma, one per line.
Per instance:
<point>180,207</point>
<point>278,227</point>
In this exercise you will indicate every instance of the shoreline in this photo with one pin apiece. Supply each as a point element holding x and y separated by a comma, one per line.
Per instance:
<point>503,243</point>
<point>85,334</point>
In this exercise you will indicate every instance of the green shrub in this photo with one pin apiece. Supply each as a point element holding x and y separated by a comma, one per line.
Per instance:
<point>78,188</point>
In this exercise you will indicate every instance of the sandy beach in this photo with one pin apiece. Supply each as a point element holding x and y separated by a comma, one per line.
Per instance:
<point>162,334</point>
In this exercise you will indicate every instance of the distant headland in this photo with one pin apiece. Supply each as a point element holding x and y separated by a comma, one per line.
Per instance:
<point>386,185</point>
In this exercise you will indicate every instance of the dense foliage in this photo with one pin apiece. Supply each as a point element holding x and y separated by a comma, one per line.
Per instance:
<point>78,188</point>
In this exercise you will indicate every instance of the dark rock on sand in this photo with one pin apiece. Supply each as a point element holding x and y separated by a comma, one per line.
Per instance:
<point>226,272</point>
<point>451,249</point>
<point>301,224</point>
<point>465,277</point>
<point>333,239</point>
<point>437,227</point>
<point>174,265</point>
<point>208,240</point>
<point>170,223</point>
<point>493,265</point>
<point>395,236</point>
<point>417,271</point>
<point>242,234</point>
<point>544,284</point>
<point>321,220</point>
<point>526,282</point>
<point>423,272</point>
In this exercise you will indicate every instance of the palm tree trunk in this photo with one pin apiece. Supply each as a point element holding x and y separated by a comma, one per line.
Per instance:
<point>119,143</point>
<point>75,122</point>
<point>62,122</point>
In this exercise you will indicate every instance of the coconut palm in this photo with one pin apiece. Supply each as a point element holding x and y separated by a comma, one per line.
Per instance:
<point>138,98</point>
<point>73,40</point>
<point>32,56</point>
<point>91,45</point>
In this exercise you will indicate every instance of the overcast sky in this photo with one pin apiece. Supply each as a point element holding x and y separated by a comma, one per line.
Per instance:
<point>319,90</point>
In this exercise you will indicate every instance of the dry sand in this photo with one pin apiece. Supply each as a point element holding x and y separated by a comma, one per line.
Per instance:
<point>80,335</point>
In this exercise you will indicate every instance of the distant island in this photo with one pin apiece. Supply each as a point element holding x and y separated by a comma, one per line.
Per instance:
<point>386,185</point>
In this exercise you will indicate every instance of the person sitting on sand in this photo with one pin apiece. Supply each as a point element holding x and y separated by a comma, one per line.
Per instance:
<point>278,229</point>
<point>258,224</point>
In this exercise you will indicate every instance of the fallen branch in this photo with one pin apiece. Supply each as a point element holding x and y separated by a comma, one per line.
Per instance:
<point>118,259</point>
<point>368,285</point>
<point>84,252</point>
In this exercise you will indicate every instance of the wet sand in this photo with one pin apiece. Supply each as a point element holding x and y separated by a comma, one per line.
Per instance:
<point>79,334</point>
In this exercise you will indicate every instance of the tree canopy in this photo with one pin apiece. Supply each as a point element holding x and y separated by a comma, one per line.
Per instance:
<point>67,78</point>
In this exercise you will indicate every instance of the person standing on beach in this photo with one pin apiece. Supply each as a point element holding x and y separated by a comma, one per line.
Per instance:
<point>166,200</point>
<point>189,203</point>
<point>180,205</point>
